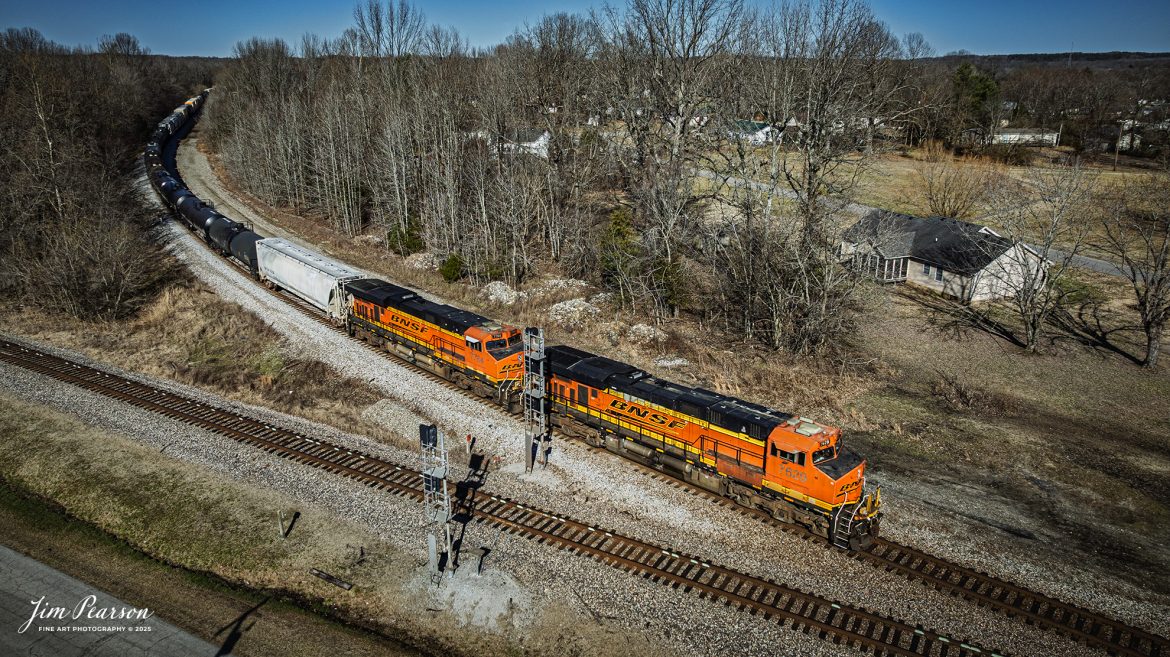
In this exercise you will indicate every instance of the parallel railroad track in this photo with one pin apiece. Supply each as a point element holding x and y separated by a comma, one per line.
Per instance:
<point>1085,626</point>
<point>829,620</point>
<point>1082,625</point>
<point>1077,623</point>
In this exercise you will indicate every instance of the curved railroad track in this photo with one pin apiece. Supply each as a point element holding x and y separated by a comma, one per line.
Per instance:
<point>1080,624</point>
<point>801,610</point>
<point>1075,622</point>
<point>983,589</point>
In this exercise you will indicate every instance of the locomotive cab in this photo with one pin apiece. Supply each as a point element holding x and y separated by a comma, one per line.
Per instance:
<point>809,460</point>
<point>496,349</point>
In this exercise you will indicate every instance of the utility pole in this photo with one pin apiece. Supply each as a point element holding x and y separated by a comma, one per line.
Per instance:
<point>536,434</point>
<point>436,501</point>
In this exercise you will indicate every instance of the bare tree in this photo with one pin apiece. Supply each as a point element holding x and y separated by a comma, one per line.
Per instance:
<point>660,60</point>
<point>1046,214</point>
<point>1137,233</point>
<point>390,30</point>
<point>954,189</point>
<point>123,44</point>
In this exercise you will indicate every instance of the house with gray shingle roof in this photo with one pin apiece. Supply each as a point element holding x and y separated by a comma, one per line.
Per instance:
<point>957,258</point>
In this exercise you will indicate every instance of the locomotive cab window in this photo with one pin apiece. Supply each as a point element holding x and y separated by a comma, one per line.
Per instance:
<point>792,457</point>
<point>826,454</point>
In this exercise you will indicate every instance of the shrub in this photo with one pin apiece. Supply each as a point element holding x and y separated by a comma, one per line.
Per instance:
<point>405,241</point>
<point>452,268</point>
<point>1011,155</point>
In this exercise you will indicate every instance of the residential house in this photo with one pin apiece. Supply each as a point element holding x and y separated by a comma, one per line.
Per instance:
<point>1026,137</point>
<point>756,133</point>
<point>955,258</point>
<point>530,141</point>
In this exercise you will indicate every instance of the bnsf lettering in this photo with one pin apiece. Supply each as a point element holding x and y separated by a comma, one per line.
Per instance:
<point>646,414</point>
<point>511,367</point>
<point>850,486</point>
<point>407,322</point>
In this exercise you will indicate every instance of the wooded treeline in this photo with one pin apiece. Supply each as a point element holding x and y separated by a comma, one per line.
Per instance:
<point>663,121</point>
<point>73,123</point>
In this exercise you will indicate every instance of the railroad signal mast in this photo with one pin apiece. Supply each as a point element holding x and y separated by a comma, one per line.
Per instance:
<point>436,500</point>
<point>537,440</point>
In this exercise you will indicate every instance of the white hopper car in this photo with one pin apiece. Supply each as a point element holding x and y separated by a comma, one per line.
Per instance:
<point>307,274</point>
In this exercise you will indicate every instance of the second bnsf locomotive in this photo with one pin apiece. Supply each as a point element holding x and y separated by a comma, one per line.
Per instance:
<point>468,349</point>
<point>796,469</point>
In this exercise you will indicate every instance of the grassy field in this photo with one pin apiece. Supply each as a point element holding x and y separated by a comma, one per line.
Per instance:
<point>1075,441</point>
<point>150,511</point>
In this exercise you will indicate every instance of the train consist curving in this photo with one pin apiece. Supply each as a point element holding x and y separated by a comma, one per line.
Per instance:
<point>796,469</point>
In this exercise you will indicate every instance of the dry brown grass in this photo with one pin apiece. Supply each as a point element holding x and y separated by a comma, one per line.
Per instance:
<point>1076,440</point>
<point>190,335</point>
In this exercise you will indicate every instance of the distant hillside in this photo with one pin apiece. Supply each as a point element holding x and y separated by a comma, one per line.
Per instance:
<point>1099,60</point>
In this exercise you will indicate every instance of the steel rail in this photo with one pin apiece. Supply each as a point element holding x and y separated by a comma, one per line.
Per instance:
<point>805,611</point>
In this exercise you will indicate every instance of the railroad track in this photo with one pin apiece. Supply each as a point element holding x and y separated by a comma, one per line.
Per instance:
<point>1085,626</point>
<point>801,610</point>
<point>1078,623</point>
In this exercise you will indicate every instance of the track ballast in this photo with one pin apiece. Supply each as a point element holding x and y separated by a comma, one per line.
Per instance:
<point>866,630</point>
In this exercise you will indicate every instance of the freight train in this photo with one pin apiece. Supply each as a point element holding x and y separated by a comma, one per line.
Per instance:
<point>795,469</point>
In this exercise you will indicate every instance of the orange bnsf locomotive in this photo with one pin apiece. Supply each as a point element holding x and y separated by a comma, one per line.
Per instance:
<point>795,469</point>
<point>470,350</point>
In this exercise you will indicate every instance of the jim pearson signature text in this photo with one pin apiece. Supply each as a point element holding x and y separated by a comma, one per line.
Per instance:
<point>86,608</point>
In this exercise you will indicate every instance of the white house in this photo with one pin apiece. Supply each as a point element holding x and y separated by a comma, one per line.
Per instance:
<point>529,141</point>
<point>756,133</point>
<point>955,258</point>
<point>1026,137</point>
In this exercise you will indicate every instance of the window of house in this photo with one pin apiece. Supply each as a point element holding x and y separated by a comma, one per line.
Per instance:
<point>926,269</point>
<point>938,274</point>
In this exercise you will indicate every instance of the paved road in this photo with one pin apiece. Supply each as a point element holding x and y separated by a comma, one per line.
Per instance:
<point>1095,264</point>
<point>23,580</point>
<point>1086,262</point>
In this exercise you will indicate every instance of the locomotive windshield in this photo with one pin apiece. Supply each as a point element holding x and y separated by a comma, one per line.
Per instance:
<point>505,347</point>
<point>825,454</point>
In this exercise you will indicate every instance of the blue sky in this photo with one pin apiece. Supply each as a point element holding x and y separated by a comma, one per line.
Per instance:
<point>212,27</point>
